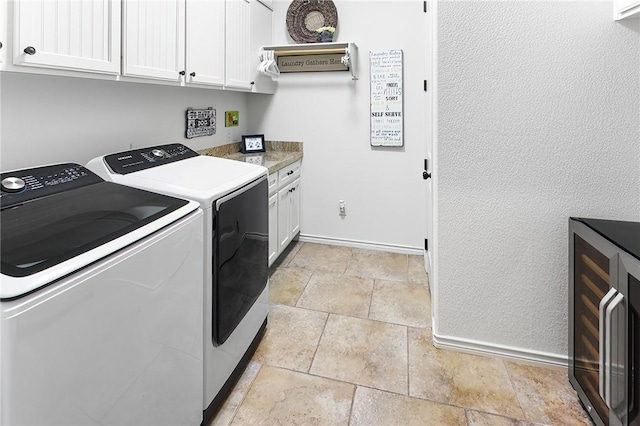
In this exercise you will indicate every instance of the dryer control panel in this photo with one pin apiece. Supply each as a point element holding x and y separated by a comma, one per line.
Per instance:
<point>135,160</point>
<point>19,186</point>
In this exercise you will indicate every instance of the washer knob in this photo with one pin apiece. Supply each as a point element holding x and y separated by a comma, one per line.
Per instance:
<point>12,184</point>
<point>158,153</point>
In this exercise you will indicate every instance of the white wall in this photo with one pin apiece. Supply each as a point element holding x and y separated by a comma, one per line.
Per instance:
<point>48,119</point>
<point>383,187</point>
<point>538,121</point>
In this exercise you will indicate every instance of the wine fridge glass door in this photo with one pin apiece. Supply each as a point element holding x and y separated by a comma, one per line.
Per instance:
<point>592,281</point>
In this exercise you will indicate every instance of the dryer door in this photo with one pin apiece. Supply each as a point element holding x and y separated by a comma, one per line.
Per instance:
<point>240,255</point>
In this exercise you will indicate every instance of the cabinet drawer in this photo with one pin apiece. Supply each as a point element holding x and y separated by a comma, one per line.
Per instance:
<point>273,183</point>
<point>288,174</point>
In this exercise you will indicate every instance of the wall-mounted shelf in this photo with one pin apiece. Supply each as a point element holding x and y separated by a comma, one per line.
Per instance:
<point>349,50</point>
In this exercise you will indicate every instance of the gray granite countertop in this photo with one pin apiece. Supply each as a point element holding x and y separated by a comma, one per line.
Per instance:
<point>278,154</point>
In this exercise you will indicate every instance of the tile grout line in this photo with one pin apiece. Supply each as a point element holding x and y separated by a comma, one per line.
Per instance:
<point>408,361</point>
<point>515,391</point>
<point>313,272</point>
<point>353,400</point>
<point>373,288</point>
<point>235,412</point>
<point>315,352</point>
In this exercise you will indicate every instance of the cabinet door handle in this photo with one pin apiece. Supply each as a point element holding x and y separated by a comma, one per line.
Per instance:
<point>193,74</point>
<point>608,363</point>
<point>182,72</point>
<point>30,50</point>
<point>601,341</point>
<point>0,45</point>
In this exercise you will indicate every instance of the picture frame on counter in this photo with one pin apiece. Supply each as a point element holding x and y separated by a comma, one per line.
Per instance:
<point>252,143</point>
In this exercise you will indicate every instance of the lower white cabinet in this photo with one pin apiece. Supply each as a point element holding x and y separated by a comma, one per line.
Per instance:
<point>284,209</point>
<point>273,228</point>
<point>288,214</point>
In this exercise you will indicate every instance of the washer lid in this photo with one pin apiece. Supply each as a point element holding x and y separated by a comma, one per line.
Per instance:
<point>203,178</point>
<point>74,227</point>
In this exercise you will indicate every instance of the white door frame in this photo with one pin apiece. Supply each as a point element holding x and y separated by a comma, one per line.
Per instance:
<point>431,255</point>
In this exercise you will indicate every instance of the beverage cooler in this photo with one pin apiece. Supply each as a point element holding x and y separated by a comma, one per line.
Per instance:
<point>604,300</point>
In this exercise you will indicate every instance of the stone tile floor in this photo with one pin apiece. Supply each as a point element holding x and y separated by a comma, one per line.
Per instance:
<point>349,343</point>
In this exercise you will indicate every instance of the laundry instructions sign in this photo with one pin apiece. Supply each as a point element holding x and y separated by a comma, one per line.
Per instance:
<point>387,121</point>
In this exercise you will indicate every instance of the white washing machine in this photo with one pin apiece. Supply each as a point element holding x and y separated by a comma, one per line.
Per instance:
<point>234,197</point>
<point>100,302</point>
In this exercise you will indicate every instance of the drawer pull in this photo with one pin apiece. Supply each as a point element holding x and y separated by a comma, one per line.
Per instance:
<point>290,172</point>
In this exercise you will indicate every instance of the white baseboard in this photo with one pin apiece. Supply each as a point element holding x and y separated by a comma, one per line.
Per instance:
<point>515,354</point>
<point>392,248</point>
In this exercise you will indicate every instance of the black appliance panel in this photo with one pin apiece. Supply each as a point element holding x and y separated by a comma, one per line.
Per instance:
<point>20,186</point>
<point>240,255</point>
<point>73,216</point>
<point>145,158</point>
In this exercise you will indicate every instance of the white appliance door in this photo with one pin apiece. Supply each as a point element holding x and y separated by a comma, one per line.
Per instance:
<point>119,342</point>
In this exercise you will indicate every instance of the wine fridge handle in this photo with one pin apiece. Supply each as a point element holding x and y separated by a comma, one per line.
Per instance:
<point>603,336</point>
<point>608,348</point>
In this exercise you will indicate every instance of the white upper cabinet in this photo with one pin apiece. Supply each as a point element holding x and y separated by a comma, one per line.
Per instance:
<point>238,39</point>
<point>261,35</point>
<point>205,42</point>
<point>4,33</point>
<point>67,34</point>
<point>626,9</point>
<point>154,39</point>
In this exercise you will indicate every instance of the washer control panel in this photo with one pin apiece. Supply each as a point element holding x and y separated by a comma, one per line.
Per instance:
<point>126,162</point>
<point>19,186</point>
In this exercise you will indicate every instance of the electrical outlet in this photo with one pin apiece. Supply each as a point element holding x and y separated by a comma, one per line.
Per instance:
<point>342,206</point>
<point>229,134</point>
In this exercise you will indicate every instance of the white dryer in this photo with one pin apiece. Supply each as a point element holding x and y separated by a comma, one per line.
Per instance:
<point>100,312</point>
<point>234,197</point>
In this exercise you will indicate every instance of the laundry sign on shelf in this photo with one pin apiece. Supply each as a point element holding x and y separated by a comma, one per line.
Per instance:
<point>387,121</point>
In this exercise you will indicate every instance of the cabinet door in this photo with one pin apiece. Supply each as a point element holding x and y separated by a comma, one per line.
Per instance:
<point>68,34</point>
<point>205,42</point>
<point>238,25</point>
<point>261,35</point>
<point>154,34</point>
<point>284,236</point>
<point>4,33</point>
<point>294,209</point>
<point>273,228</point>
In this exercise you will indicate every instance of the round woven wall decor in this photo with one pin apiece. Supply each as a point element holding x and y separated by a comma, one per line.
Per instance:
<point>304,17</point>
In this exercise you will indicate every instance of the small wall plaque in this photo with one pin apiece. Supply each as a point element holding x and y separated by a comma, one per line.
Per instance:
<point>303,63</point>
<point>201,122</point>
<point>231,118</point>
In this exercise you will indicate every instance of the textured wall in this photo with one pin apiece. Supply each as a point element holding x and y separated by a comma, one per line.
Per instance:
<point>539,120</point>
<point>383,187</point>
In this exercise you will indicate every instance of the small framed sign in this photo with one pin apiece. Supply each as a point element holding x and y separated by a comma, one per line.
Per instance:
<point>252,143</point>
<point>200,122</point>
<point>387,122</point>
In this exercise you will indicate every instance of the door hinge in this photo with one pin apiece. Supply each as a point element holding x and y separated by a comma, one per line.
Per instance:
<point>425,7</point>
<point>426,244</point>
<point>425,85</point>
